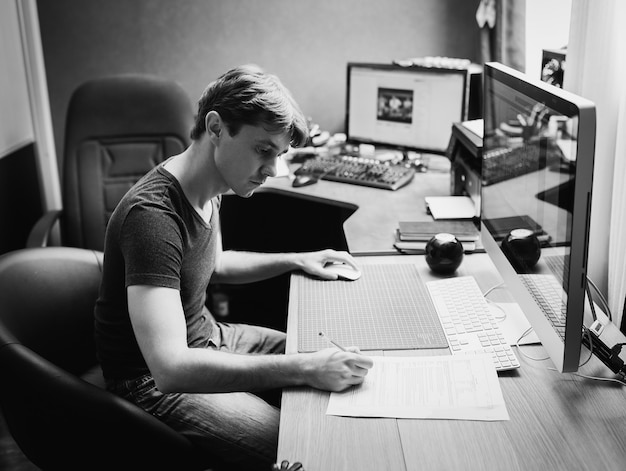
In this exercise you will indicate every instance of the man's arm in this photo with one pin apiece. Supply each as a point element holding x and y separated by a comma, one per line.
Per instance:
<point>247,267</point>
<point>159,324</point>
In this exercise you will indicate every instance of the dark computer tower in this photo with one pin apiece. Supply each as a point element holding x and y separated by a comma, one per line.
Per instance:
<point>465,154</point>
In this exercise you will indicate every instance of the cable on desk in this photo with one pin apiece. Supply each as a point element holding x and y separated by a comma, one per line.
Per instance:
<point>591,304</point>
<point>519,348</point>
<point>586,332</point>
<point>529,330</point>
<point>496,305</point>
<point>595,378</point>
<point>499,285</point>
<point>603,301</point>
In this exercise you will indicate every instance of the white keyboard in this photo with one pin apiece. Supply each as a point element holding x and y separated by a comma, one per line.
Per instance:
<point>467,321</point>
<point>549,295</point>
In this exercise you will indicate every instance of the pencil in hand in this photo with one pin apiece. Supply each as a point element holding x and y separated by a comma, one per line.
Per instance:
<point>322,334</point>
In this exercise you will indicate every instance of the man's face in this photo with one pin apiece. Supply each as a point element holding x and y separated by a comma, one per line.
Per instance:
<point>248,158</point>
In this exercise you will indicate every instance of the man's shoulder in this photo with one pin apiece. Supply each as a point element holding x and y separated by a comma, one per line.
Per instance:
<point>151,191</point>
<point>155,178</point>
<point>153,187</point>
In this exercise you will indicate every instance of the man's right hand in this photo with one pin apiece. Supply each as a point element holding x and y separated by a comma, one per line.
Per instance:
<point>334,370</point>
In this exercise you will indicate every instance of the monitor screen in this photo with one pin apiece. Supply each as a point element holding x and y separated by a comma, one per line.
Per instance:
<point>410,108</point>
<point>537,171</point>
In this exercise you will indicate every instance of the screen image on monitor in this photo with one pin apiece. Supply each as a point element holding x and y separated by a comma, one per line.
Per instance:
<point>537,174</point>
<point>408,108</point>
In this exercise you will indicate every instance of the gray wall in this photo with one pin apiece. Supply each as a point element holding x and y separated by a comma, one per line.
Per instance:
<point>305,43</point>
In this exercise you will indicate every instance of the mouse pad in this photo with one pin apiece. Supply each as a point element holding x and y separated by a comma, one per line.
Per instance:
<point>388,308</point>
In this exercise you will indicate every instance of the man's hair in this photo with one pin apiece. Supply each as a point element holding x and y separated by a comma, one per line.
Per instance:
<point>247,95</point>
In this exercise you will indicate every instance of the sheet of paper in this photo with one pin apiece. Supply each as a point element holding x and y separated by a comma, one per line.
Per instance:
<point>513,324</point>
<point>451,207</point>
<point>463,387</point>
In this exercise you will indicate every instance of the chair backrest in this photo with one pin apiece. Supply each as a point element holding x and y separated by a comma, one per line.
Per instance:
<point>117,128</point>
<point>58,420</point>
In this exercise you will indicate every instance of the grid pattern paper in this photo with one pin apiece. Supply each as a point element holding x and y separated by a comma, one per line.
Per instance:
<point>388,308</point>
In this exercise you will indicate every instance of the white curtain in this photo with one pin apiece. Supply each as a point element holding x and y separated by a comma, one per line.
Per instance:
<point>596,69</point>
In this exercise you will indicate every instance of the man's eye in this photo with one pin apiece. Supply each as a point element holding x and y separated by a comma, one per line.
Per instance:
<point>264,151</point>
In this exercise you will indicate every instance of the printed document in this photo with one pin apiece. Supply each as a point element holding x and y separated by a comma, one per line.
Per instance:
<point>463,387</point>
<point>451,207</point>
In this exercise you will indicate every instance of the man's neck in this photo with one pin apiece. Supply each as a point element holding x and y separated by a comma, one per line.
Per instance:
<point>195,170</point>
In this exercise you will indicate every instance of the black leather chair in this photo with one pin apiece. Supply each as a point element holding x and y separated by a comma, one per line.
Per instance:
<point>55,411</point>
<point>117,128</point>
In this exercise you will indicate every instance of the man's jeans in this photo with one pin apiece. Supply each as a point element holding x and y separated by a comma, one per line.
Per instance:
<point>237,428</point>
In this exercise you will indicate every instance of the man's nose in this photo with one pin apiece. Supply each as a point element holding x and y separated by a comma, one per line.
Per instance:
<point>271,168</point>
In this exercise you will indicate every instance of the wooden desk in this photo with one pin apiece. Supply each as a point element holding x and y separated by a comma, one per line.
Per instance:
<point>370,229</point>
<point>557,421</point>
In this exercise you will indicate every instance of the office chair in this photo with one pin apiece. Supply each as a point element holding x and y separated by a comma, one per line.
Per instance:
<point>58,418</point>
<point>117,128</point>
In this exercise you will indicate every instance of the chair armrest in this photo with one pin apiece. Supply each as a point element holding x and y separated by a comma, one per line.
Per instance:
<point>39,234</point>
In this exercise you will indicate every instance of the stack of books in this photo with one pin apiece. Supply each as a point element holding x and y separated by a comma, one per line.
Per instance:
<point>412,236</point>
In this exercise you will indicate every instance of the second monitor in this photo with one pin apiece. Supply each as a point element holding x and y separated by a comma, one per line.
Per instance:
<point>410,108</point>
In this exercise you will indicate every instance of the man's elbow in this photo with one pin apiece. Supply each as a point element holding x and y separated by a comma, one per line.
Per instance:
<point>165,385</point>
<point>165,382</point>
<point>168,378</point>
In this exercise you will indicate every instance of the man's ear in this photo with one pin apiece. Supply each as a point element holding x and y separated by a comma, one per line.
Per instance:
<point>214,125</point>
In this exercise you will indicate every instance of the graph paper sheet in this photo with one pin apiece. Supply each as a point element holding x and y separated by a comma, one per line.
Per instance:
<point>388,308</point>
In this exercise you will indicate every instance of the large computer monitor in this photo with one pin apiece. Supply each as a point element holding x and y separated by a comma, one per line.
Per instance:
<point>537,172</point>
<point>407,108</point>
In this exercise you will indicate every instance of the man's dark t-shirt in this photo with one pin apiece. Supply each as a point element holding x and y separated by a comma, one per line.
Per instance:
<point>154,237</point>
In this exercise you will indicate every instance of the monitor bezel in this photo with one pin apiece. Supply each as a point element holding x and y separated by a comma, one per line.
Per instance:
<point>564,353</point>
<point>463,72</point>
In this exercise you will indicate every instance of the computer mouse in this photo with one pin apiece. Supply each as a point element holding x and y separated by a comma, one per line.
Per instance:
<point>303,180</point>
<point>344,271</point>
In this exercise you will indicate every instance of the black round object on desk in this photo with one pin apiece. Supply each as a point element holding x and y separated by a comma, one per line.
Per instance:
<point>522,248</point>
<point>444,253</point>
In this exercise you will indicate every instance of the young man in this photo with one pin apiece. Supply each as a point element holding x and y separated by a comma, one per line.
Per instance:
<point>158,344</point>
